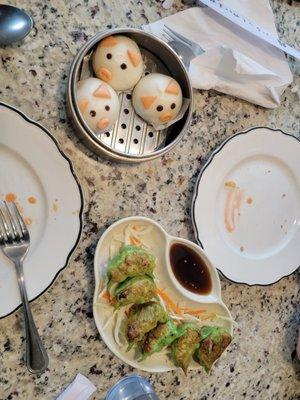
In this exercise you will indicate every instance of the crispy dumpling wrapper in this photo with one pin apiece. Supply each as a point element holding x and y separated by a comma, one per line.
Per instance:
<point>159,338</point>
<point>214,341</point>
<point>143,318</point>
<point>136,290</point>
<point>131,261</point>
<point>184,347</point>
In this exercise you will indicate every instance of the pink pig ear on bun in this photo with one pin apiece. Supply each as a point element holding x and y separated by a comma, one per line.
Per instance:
<point>102,92</point>
<point>172,87</point>
<point>148,101</point>
<point>82,104</point>
<point>109,41</point>
<point>134,57</point>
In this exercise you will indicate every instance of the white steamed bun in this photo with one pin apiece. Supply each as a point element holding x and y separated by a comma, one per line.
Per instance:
<point>98,103</point>
<point>157,98</point>
<point>118,61</point>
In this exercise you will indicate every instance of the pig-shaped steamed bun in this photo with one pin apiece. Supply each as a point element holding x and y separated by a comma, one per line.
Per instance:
<point>118,61</point>
<point>157,98</point>
<point>98,103</point>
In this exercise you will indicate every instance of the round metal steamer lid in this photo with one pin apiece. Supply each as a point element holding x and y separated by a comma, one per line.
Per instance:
<point>131,139</point>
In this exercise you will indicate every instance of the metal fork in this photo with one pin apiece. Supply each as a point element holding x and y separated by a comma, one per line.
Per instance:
<point>14,242</point>
<point>185,48</point>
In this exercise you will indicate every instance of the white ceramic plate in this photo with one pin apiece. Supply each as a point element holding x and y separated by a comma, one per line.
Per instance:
<point>33,166</point>
<point>158,242</point>
<point>258,242</point>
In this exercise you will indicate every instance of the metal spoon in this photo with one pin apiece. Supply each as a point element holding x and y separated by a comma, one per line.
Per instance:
<point>15,24</point>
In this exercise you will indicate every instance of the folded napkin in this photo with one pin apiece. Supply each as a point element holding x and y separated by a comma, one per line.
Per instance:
<point>80,389</point>
<point>235,62</point>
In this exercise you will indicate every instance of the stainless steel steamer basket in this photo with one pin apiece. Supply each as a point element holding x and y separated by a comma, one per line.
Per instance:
<point>132,139</point>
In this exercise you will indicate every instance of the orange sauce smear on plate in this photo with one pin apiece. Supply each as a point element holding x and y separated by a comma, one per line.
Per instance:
<point>10,197</point>
<point>31,200</point>
<point>232,205</point>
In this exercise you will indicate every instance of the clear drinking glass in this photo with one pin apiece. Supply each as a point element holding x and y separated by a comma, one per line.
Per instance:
<point>132,387</point>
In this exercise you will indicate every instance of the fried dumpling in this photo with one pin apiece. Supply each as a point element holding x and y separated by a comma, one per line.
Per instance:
<point>142,318</point>
<point>159,337</point>
<point>136,290</point>
<point>184,347</point>
<point>131,261</point>
<point>214,342</point>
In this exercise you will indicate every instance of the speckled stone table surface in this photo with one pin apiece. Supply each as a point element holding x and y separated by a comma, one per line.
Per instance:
<point>261,362</point>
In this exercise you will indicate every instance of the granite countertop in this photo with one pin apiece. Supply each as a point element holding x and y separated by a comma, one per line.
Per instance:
<point>261,362</point>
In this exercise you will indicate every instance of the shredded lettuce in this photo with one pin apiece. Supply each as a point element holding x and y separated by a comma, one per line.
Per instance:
<point>109,320</point>
<point>120,328</point>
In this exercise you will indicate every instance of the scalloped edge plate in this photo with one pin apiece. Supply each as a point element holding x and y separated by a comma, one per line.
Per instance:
<point>264,246</point>
<point>32,164</point>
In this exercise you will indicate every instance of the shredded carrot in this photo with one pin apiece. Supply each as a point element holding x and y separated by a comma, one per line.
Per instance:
<point>134,240</point>
<point>106,296</point>
<point>138,228</point>
<point>194,312</point>
<point>170,303</point>
<point>178,310</point>
<point>208,317</point>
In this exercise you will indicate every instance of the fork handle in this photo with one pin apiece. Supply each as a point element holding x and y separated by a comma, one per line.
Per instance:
<point>36,356</point>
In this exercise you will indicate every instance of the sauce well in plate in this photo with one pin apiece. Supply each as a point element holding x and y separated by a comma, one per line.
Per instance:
<point>190,269</point>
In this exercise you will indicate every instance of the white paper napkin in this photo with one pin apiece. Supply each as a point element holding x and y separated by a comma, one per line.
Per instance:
<point>80,389</point>
<point>235,62</point>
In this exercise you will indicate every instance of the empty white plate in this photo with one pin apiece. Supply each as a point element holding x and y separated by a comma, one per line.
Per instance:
<point>40,178</point>
<point>246,206</point>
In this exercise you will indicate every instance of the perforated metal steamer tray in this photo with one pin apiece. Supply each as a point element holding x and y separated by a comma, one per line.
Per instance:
<point>131,139</point>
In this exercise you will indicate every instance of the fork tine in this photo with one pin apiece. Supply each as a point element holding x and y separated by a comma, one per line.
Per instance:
<point>178,36</point>
<point>8,235</point>
<point>21,223</point>
<point>15,234</point>
<point>166,36</point>
<point>2,234</point>
<point>2,239</point>
<point>171,35</point>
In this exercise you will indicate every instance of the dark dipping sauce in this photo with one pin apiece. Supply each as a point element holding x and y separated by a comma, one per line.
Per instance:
<point>190,269</point>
